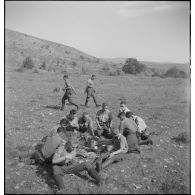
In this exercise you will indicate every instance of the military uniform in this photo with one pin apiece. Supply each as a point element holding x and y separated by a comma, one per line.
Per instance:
<point>104,119</point>
<point>90,92</point>
<point>143,137</point>
<point>129,125</point>
<point>68,95</point>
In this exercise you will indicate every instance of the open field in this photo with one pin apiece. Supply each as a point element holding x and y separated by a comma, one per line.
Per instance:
<point>163,103</point>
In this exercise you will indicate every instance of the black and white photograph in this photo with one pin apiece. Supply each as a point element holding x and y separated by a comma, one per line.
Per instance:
<point>97,97</point>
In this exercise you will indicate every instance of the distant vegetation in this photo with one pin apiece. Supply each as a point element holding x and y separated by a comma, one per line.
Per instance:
<point>175,73</point>
<point>133,66</point>
<point>28,63</point>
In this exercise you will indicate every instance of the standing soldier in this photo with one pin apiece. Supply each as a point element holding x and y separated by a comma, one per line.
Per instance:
<point>90,91</point>
<point>68,93</point>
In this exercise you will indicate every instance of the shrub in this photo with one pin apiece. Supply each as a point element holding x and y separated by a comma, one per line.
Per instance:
<point>83,70</point>
<point>28,63</point>
<point>82,57</point>
<point>57,89</point>
<point>74,64</point>
<point>132,66</point>
<point>19,70</point>
<point>35,71</point>
<point>47,47</point>
<point>105,69</point>
<point>43,65</point>
<point>64,72</point>
<point>175,73</point>
<point>181,138</point>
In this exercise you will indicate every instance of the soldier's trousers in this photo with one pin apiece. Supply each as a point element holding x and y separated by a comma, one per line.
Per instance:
<point>90,93</point>
<point>60,171</point>
<point>68,96</point>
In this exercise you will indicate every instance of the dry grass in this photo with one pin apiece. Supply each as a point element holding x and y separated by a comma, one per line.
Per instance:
<point>32,108</point>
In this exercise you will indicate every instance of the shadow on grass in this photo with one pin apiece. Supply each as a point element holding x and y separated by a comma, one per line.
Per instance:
<point>55,107</point>
<point>46,172</point>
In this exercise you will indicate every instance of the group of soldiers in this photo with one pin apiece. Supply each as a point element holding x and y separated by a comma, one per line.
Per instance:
<point>75,145</point>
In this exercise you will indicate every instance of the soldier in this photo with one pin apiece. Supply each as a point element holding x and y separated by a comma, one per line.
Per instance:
<point>128,128</point>
<point>86,125</point>
<point>44,150</point>
<point>117,147</point>
<point>68,93</point>
<point>65,161</point>
<point>143,137</point>
<point>90,91</point>
<point>123,107</point>
<point>104,120</point>
<point>72,126</point>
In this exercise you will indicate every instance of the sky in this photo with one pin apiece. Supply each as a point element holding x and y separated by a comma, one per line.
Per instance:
<point>156,31</point>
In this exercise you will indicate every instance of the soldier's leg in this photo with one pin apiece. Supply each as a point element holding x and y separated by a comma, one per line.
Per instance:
<point>63,101</point>
<point>94,99</point>
<point>58,174</point>
<point>78,167</point>
<point>88,96</point>
<point>71,101</point>
<point>115,158</point>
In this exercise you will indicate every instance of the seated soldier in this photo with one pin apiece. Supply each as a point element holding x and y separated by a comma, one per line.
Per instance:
<point>123,107</point>
<point>128,128</point>
<point>45,150</point>
<point>86,125</point>
<point>62,123</point>
<point>116,147</point>
<point>143,137</point>
<point>72,121</point>
<point>72,126</point>
<point>104,122</point>
<point>65,162</point>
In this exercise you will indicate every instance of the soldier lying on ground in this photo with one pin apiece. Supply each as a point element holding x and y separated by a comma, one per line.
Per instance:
<point>44,150</point>
<point>143,137</point>
<point>65,162</point>
<point>68,93</point>
<point>104,120</point>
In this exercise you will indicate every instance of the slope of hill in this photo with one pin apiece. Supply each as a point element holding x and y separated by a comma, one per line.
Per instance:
<point>56,56</point>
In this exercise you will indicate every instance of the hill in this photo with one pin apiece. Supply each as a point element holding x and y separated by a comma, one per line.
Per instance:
<point>59,57</point>
<point>56,56</point>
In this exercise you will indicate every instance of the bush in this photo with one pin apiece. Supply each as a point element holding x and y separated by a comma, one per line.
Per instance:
<point>28,63</point>
<point>175,73</point>
<point>57,89</point>
<point>74,64</point>
<point>181,138</point>
<point>35,71</point>
<point>132,66</point>
<point>82,57</point>
<point>20,70</point>
<point>105,69</point>
<point>83,70</point>
<point>43,65</point>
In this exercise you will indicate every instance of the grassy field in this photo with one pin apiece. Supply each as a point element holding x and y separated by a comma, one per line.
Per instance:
<point>30,113</point>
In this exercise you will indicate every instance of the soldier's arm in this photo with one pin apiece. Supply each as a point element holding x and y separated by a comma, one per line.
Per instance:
<point>123,147</point>
<point>57,158</point>
<point>91,127</point>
